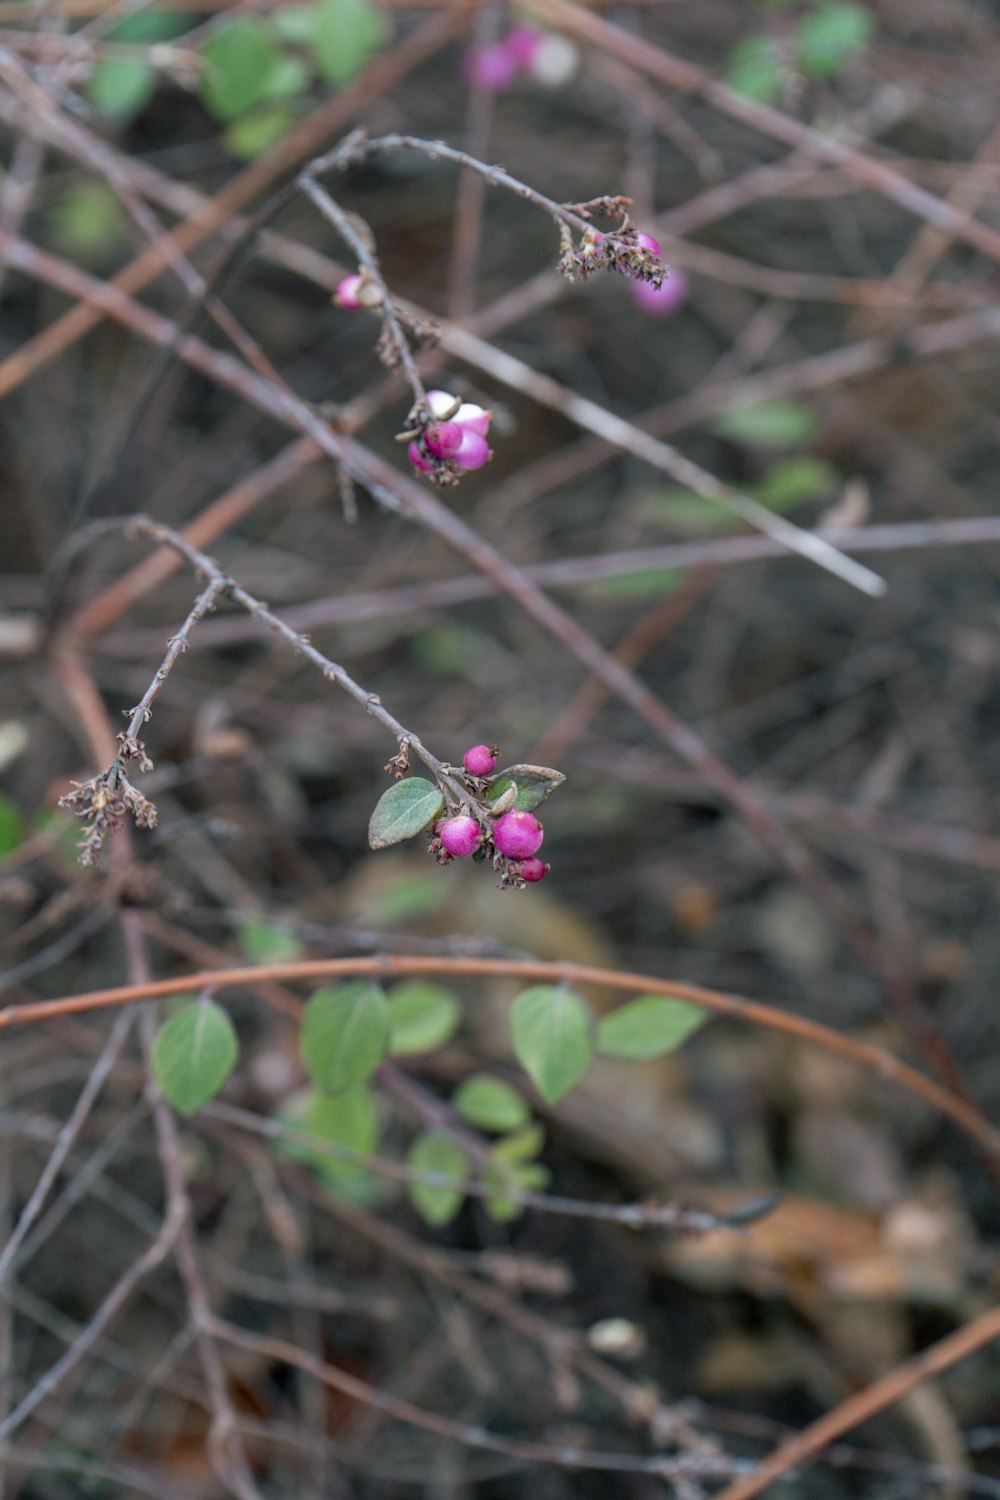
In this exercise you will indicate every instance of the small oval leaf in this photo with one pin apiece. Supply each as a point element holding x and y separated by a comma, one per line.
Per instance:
<point>421,1017</point>
<point>403,811</point>
<point>648,1027</point>
<point>490,1104</point>
<point>433,1151</point>
<point>193,1055</point>
<point>551,1029</point>
<point>534,784</point>
<point>345,1032</point>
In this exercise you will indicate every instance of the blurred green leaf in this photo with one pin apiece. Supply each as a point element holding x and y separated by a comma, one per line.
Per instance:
<point>831,36</point>
<point>86,221</point>
<point>11,824</point>
<point>644,583</point>
<point>769,424</point>
<point>348,1119</point>
<point>294,23</point>
<point>796,481</point>
<point>258,131</point>
<point>120,88</point>
<point>193,1055</point>
<point>551,1029</point>
<point>756,70</point>
<point>433,1151</point>
<point>490,1104</point>
<point>410,896</point>
<point>345,35</point>
<point>268,943</point>
<point>403,811</point>
<point>530,1178</point>
<point>648,1027</point>
<point>421,1017</point>
<point>520,1145</point>
<point>345,1032</point>
<point>240,62</point>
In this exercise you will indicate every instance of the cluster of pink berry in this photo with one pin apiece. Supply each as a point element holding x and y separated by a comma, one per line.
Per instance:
<point>548,59</point>
<point>628,251</point>
<point>454,440</point>
<point>514,836</point>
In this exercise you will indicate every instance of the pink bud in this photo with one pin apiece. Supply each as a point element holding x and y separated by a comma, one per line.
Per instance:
<point>459,836</point>
<point>479,761</point>
<point>532,870</point>
<point>660,301</point>
<point>490,70</point>
<point>518,834</point>
<point>346,294</point>
<point>419,460</point>
<point>473,451</point>
<point>521,43</point>
<point>475,418</point>
<point>444,439</point>
<point>646,242</point>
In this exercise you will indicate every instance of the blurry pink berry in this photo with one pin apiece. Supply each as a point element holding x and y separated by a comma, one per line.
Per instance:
<point>419,460</point>
<point>473,451</point>
<point>346,294</point>
<point>532,870</point>
<point>646,242</point>
<point>479,761</point>
<point>521,43</point>
<point>441,402</point>
<point>518,834</point>
<point>661,301</point>
<point>475,418</point>
<point>491,70</point>
<point>444,439</point>
<point>554,60</point>
<point>459,836</point>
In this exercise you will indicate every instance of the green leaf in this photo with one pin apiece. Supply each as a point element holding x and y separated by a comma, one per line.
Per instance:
<point>348,1119</point>
<point>490,1104</point>
<point>404,811</point>
<point>193,1055</point>
<point>240,62</point>
<point>827,40</point>
<point>644,583</point>
<point>345,35</point>
<point>648,1027</point>
<point>86,221</point>
<point>120,88</point>
<point>294,23</point>
<point>268,943</point>
<point>683,513</point>
<point>769,424</point>
<point>520,1146</point>
<point>534,784</point>
<point>11,824</point>
<point>551,1029</point>
<point>407,897</point>
<point>433,1151</point>
<point>796,481</point>
<point>531,1178</point>
<point>756,70</point>
<point>345,1032</point>
<point>258,131</point>
<point>421,1017</point>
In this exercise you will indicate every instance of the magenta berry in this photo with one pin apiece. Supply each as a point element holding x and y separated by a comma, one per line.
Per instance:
<point>521,43</point>
<point>660,301</point>
<point>444,439</point>
<point>479,761</point>
<point>517,834</point>
<point>459,836</point>
<point>473,418</point>
<point>419,460</point>
<point>646,242</point>
<point>473,451</point>
<point>532,870</point>
<point>346,294</point>
<point>490,70</point>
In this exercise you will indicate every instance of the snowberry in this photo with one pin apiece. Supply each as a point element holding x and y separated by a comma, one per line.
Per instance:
<point>646,242</point>
<point>517,834</point>
<point>419,460</point>
<point>473,451</point>
<point>346,294</point>
<point>475,418</point>
<point>660,301</point>
<point>479,761</point>
<point>532,870</point>
<point>554,61</point>
<point>490,70</point>
<point>459,836</point>
<point>443,439</point>
<point>441,403</point>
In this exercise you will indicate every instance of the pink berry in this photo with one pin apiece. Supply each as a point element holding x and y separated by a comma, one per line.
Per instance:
<point>646,242</point>
<point>346,294</point>
<point>419,460</point>
<point>521,43</point>
<point>459,836</point>
<point>517,834</point>
<point>444,439</point>
<point>479,761</point>
<point>473,451</point>
<point>473,418</point>
<point>660,301</point>
<point>490,70</point>
<point>532,870</point>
